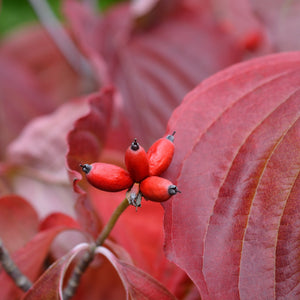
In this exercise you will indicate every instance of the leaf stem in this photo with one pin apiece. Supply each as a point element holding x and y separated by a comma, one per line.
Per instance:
<point>12,270</point>
<point>88,256</point>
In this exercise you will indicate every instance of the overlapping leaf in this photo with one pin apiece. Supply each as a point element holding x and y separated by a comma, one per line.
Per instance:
<point>30,257</point>
<point>140,233</point>
<point>281,22</point>
<point>37,159</point>
<point>154,68</point>
<point>32,47</point>
<point>18,222</point>
<point>237,19</point>
<point>21,98</point>
<point>234,226</point>
<point>136,283</point>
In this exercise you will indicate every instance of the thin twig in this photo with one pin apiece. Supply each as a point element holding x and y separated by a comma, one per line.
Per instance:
<point>88,257</point>
<point>62,40</point>
<point>12,270</point>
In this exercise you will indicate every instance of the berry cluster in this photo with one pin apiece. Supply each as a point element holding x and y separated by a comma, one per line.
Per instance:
<point>143,169</point>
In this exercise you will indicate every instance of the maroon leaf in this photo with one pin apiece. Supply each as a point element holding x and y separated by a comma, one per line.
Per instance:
<point>30,260</point>
<point>37,160</point>
<point>152,69</point>
<point>57,220</point>
<point>234,227</point>
<point>138,284</point>
<point>236,18</point>
<point>32,47</point>
<point>141,234</point>
<point>281,22</point>
<point>85,145</point>
<point>42,146</point>
<point>87,138</point>
<point>18,222</point>
<point>49,285</point>
<point>21,99</point>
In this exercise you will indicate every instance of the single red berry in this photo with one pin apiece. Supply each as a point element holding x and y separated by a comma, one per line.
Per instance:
<point>157,189</point>
<point>136,161</point>
<point>107,177</point>
<point>160,155</point>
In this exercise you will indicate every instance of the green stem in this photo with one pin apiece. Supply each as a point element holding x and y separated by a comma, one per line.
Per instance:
<point>111,223</point>
<point>88,257</point>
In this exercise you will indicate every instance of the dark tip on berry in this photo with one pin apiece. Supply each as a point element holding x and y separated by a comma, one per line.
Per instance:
<point>172,190</point>
<point>86,168</point>
<point>171,136</point>
<point>135,145</point>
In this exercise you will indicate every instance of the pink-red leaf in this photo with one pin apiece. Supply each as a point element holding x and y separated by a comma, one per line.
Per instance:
<point>49,285</point>
<point>153,69</point>
<point>37,159</point>
<point>146,247</point>
<point>138,284</point>
<point>237,160</point>
<point>18,222</point>
<point>237,19</point>
<point>31,257</point>
<point>30,260</point>
<point>33,48</point>
<point>21,98</point>
<point>281,22</point>
<point>85,143</point>
<point>86,140</point>
<point>141,234</point>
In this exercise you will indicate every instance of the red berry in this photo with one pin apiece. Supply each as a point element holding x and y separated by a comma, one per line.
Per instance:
<point>157,189</point>
<point>107,177</point>
<point>160,155</point>
<point>136,161</point>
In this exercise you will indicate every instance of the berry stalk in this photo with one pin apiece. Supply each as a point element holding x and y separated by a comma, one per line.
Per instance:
<point>88,257</point>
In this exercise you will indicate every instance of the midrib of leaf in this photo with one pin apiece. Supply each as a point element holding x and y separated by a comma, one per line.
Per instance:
<point>273,150</point>
<point>264,83</point>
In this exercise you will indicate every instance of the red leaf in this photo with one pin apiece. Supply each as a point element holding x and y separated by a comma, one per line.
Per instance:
<point>281,22</point>
<point>48,286</point>
<point>32,47</point>
<point>88,136</point>
<point>85,144</point>
<point>42,146</point>
<point>30,260</point>
<point>21,99</point>
<point>141,234</point>
<point>37,159</point>
<point>58,220</point>
<point>237,19</point>
<point>18,222</point>
<point>147,244</point>
<point>152,69</point>
<point>234,226</point>
<point>137,283</point>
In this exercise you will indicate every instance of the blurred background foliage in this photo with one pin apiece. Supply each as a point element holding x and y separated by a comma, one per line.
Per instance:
<point>16,13</point>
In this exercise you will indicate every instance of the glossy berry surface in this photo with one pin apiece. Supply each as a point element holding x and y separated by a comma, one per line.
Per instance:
<point>157,189</point>
<point>136,161</point>
<point>160,155</point>
<point>107,177</point>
